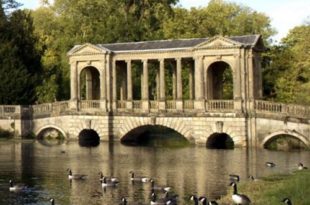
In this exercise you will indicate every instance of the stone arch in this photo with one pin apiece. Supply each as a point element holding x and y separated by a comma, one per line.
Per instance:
<point>220,140</point>
<point>39,131</point>
<point>215,72</point>
<point>175,124</point>
<point>89,88</point>
<point>292,133</point>
<point>84,124</point>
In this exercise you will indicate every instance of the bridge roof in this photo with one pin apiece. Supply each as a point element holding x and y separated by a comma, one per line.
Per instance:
<point>247,40</point>
<point>175,44</point>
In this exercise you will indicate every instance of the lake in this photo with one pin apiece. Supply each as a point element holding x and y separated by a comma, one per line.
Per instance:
<point>189,170</point>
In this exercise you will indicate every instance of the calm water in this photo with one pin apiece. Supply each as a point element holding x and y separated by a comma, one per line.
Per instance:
<point>190,170</point>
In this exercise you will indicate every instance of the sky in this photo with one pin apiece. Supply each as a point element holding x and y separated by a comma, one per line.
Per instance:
<point>284,14</point>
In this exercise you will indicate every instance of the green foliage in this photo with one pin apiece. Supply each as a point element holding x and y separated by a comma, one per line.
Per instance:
<point>287,68</point>
<point>218,18</point>
<point>20,59</point>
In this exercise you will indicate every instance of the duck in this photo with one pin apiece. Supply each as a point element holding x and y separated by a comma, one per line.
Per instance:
<point>16,187</point>
<point>234,178</point>
<point>134,178</point>
<point>287,201</point>
<point>205,201</point>
<point>239,199</point>
<point>52,201</point>
<point>301,166</point>
<point>106,183</point>
<point>159,188</point>
<point>112,179</point>
<point>194,198</point>
<point>75,176</point>
<point>270,164</point>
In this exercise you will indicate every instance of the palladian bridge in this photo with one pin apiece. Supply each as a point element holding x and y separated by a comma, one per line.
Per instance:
<point>206,89</point>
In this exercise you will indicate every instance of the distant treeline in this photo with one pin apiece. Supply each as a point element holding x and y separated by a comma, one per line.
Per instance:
<point>33,43</point>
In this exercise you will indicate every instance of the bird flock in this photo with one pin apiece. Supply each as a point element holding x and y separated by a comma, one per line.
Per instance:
<point>163,195</point>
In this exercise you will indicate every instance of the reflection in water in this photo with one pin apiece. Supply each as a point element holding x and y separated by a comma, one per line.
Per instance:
<point>188,170</point>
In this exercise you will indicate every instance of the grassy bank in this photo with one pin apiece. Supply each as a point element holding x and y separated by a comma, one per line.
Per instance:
<point>271,190</point>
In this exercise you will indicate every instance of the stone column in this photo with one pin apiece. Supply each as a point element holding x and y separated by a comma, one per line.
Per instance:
<point>103,95</point>
<point>73,84</point>
<point>157,85</point>
<point>145,91</point>
<point>174,84</point>
<point>162,89</point>
<point>73,80</point>
<point>108,82</point>
<point>129,85</point>
<point>89,85</point>
<point>191,82</point>
<point>179,101</point>
<point>114,86</point>
<point>251,84</point>
<point>237,83</point>
<point>199,103</point>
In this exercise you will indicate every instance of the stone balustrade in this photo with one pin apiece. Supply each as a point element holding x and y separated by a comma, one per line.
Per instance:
<point>56,108</point>
<point>281,108</point>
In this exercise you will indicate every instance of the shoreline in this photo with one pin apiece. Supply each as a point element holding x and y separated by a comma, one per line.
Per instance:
<point>273,189</point>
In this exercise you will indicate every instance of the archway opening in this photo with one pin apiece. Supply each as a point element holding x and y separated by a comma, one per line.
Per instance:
<point>154,136</point>
<point>220,141</point>
<point>89,138</point>
<point>50,136</point>
<point>285,142</point>
<point>220,81</point>
<point>90,84</point>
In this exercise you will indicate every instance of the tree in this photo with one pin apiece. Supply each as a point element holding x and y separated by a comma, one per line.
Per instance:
<point>20,61</point>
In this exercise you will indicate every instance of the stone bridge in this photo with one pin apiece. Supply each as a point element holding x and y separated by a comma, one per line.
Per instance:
<point>203,89</point>
<point>266,121</point>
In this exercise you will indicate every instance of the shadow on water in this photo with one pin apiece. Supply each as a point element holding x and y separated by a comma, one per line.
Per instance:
<point>155,136</point>
<point>89,138</point>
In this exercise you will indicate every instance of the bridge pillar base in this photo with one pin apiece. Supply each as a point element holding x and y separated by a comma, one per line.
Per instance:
<point>199,105</point>
<point>179,105</point>
<point>129,105</point>
<point>103,105</point>
<point>145,106</point>
<point>73,105</point>
<point>162,105</point>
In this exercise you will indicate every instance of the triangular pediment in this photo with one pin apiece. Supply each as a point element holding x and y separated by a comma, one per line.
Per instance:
<point>219,42</point>
<point>87,49</point>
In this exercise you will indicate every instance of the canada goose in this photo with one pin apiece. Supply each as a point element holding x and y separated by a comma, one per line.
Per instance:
<point>16,187</point>
<point>134,178</point>
<point>106,183</point>
<point>301,166</point>
<point>204,201</point>
<point>234,178</point>
<point>159,201</point>
<point>112,179</point>
<point>159,188</point>
<point>124,201</point>
<point>194,198</point>
<point>239,199</point>
<point>75,176</point>
<point>287,201</point>
<point>270,164</point>
<point>52,201</point>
